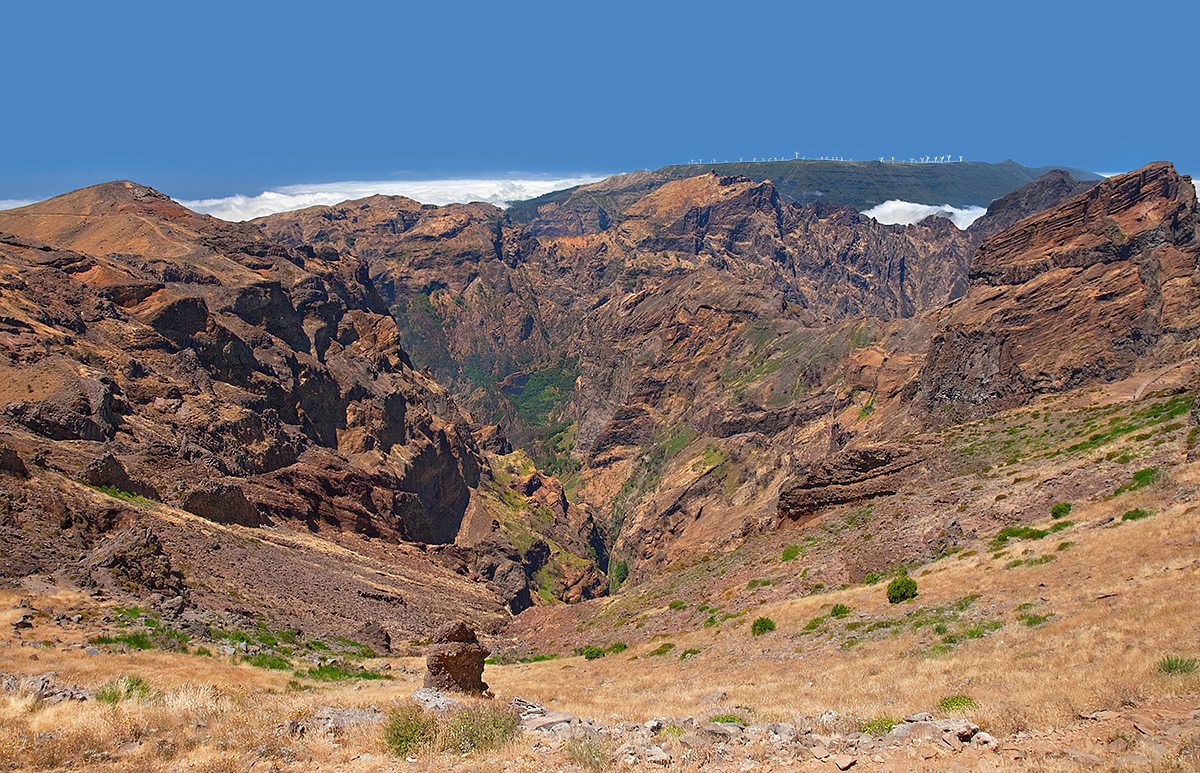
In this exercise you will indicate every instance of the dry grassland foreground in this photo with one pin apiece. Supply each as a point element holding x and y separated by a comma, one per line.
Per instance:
<point>1067,641</point>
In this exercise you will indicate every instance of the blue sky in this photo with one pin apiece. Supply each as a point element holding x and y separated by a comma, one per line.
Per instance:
<point>212,99</point>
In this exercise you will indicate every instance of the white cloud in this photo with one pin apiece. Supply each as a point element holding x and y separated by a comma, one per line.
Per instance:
<point>499,192</point>
<point>895,212</point>
<point>14,203</point>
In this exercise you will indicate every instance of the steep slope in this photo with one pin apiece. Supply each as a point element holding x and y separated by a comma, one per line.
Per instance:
<point>1091,290</point>
<point>163,355</point>
<point>674,360</point>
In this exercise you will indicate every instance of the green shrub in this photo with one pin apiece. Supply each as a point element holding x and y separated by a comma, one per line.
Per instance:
<point>1141,479</point>
<point>407,728</point>
<point>481,727</point>
<point>332,672</point>
<point>727,718</point>
<point>1031,619</point>
<point>588,753</point>
<point>871,579</point>
<point>1173,664</point>
<point>762,625</point>
<point>1067,545</point>
<point>1060,510</point>
<point>618,575</point>
<point>688,653</point>
<point>1056,528</point>
<point>901,589</point>
<point>839,610</point>
<point>126,688</point>
<point>879,726</point>
<point>617,648</point>
<point>591,653</point>
<point>956,703</point>
<point>264,660</point>
<point>1016,532</point>
<point>1136,515</point>
<point>133,641</point>
<point>661,649</point>
<point>757,584</point>
<point>790,552</point>
<point>677,605</point>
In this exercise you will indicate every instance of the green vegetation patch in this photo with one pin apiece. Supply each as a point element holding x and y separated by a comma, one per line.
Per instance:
<point>762,625</point>
<point>1136,514</point>
<point>956,704</point>
<point>901,589</point>
<point>1174,664</point>
<point>130,687</point>
<point>1141,479</point>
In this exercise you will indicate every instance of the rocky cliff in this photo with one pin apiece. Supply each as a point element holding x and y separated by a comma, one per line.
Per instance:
<point>673,348</point>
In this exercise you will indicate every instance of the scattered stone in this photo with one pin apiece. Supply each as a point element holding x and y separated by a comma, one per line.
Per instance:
<point>712,698</point>
<point>844,761</point>
<point>433,700</point>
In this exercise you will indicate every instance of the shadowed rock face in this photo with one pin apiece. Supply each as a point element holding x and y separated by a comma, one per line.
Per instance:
<point>198,350</point>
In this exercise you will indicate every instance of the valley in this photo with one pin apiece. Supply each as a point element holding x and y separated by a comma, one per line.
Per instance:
<point>613,429</point>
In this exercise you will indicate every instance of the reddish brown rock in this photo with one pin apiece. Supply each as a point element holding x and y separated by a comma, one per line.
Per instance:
<point>455,660</point>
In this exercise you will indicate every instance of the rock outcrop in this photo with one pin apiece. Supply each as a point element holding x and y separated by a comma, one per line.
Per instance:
<point>455,660</point>
<point>1087,291</point>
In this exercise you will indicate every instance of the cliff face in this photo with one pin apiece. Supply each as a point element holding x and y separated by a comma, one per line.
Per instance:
<point>204,352</point>
<point>673,347</point>
<point>1090,290</point>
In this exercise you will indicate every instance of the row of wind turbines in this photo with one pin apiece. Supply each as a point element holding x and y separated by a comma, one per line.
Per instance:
<point>947,159</point>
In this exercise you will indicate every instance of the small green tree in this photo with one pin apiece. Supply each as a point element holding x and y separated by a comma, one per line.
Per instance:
<point>901,589</point>
<point>1060,510</point>
<point>762,625</point>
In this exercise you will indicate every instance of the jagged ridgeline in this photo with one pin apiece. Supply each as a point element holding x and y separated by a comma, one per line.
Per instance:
<point>679,349</point>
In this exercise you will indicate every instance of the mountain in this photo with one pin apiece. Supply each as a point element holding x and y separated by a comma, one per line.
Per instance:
<point>170,357</point>
<point>857,184</point>
<point>709,362</point>
<point>679,360</point>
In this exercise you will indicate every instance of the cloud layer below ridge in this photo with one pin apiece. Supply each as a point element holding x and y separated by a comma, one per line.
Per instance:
<point>896,212</point>
<point>498,191</point>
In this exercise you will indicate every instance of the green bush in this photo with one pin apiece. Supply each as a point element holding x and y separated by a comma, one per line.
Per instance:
<point>871,579</point>
<point>677,605</point>
<point>1060,510</point>
<point>407,728</point>
<point>618,575</point>
<point>126,688</point>
<point>481,727</point>
<point>727,719</point>
<point>901,589</point>
<point>661,649</point>
<point>591,653</point>
<point>879,726</point>
<point>617,648</point>
<point>1136,515</point>
<point>956,703</point>
<point>790,552</point>
<point>588,753</point>
<point>688,653</point>
<point>839,610</point>
<point>762,625</point>
<point>1173,664</point>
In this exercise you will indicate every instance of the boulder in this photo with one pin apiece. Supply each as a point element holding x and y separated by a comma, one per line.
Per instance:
<point>106,470</point>
<point>455,660</point>
<point>221,501</point>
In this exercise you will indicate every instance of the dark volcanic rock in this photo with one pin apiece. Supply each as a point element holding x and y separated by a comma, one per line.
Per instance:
<point>853,474</point>
<point>455,660</point>
<point>134,560</point>
<point>374,636</point>
<point>11,462</point>
<point>107,470</point>
<point>221,501</point>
